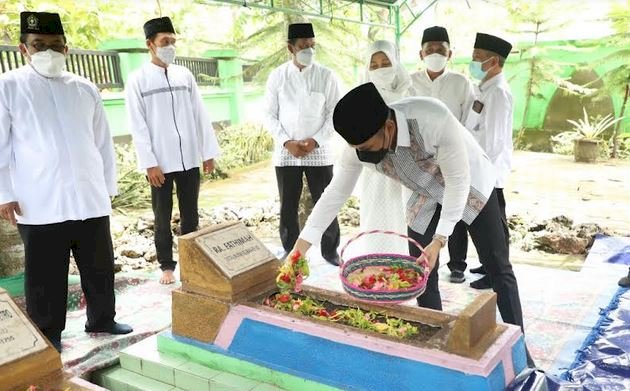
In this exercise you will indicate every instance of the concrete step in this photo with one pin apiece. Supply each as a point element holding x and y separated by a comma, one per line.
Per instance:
<point>119,379</point>
<point>170,372</point>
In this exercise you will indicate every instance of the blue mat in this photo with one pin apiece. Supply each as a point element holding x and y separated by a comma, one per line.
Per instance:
<point>610,249</point>
<point>603,361</point>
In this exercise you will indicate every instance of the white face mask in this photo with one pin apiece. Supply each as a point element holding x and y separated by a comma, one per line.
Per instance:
<point>48,63</point>
<point>383,77</point>
<point>305,56</point>
<point>166,54</point>
<point>435,62</point>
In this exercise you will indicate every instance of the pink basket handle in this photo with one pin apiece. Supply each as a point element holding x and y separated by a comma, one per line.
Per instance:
<point>378,231</point>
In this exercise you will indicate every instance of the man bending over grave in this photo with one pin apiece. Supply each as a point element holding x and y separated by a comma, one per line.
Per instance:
<point>418,142</point>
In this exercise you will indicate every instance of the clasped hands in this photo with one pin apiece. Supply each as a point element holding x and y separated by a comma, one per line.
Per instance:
<point>300,148</point>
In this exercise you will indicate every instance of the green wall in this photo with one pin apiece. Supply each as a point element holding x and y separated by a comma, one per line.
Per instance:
<point>218,103</point>
<point>569,56</point>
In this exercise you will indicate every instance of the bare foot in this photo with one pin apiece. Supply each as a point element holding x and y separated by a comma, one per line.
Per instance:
<point>167,277</point>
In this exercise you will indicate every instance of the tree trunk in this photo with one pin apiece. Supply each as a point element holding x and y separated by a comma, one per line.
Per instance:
<point>618,124</point>
<point>11,250</point>
<point>530,86</point>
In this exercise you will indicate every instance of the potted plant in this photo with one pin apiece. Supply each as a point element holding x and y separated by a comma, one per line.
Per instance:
<point>588,135</point>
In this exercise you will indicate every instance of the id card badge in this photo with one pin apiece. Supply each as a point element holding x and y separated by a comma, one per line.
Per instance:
<point>472,120</point>
<point>477,107</point>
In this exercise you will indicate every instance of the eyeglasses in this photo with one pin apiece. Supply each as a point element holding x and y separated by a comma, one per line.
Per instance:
<point>42,47</point>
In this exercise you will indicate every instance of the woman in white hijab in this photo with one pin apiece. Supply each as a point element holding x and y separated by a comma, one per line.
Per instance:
<point>386,198</point>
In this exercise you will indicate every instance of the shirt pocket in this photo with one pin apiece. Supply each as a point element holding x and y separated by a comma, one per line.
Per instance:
<point>472,120</point>
<point>312,112</point>
<point>313,104</point>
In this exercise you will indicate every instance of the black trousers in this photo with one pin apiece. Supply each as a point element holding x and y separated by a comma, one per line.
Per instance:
<point>47,255</point>
<point>488,232</point>
<point>458,241</point>
<point>290,189</point>
<point>187,187</point>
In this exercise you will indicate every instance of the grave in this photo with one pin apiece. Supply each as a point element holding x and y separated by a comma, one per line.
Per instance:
<point>226,274</point>
<point>220,323</point>
<point>26,357</point>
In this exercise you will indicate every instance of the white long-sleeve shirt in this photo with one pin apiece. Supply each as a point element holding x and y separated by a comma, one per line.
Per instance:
<point>299,105</point>
<point>492,127</point>
<point>56,152</point>
<point>451,88</point>
<point>170,126</point>
<point>435,157</point>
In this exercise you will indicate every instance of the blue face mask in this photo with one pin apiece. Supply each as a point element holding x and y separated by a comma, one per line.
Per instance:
<point>476,71</point>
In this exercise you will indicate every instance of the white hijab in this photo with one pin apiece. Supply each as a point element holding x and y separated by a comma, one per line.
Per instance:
<point>402,81</point>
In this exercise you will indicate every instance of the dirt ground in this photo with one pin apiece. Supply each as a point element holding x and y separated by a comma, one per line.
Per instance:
<point>545,185</point>
<point>251,184</point>
<point>542,185</point>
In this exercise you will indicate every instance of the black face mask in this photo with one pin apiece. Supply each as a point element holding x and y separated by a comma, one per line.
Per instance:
<point>374,157</point>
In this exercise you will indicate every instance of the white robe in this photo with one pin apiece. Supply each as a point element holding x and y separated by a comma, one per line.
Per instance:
<point>383,200</point>
<point>492,128</point>
<point>56,153</point>
<point>299,105</point>
<point>169,123</point>
<point>451,88</point>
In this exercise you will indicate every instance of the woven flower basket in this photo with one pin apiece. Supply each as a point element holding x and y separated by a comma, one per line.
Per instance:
<point>385,295</point>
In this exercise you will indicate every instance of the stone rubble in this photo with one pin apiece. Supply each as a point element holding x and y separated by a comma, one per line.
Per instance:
<point>133,237</point>
<point>558,235</point>
<point>134,249</point>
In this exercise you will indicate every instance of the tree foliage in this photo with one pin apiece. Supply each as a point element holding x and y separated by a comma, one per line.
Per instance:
<point>533,20</point>
<point>256,34</point>
<point>617,80</point>
<point>82,19</point>
<point>261,35</point>
<point>89,23</point>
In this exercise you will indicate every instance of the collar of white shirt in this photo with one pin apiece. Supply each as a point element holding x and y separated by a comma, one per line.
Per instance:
<point>294,68</point>
<point>428,78</point>
<point>155,68</point>
<point>497,79</point>
<point>403,138</point>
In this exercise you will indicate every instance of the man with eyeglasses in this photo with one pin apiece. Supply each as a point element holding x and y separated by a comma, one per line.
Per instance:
<point>299,100</point>
<point>57,174</point>
<point>456,92</point>
<point>173,136</point>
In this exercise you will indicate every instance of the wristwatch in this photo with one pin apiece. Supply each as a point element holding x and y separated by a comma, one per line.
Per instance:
<point>441,238</point>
